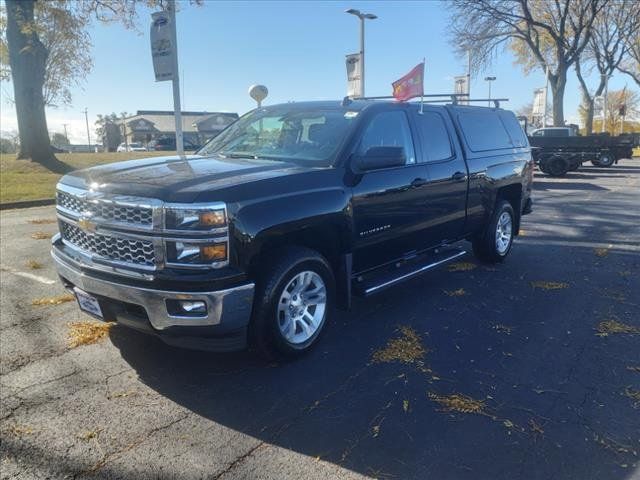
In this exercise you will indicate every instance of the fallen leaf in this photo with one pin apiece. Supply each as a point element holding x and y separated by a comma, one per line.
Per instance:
<point>535,427</point>
<point>376,431</point>
<point>542,285</point>
<point>633,395</point>
<point>19,430</point>
<point>461,267</point>
<point>57,300</point>
<point>601,252</point>
<point>33,264</point>
<point>406,349</point>
<point>508,423</point>
<point>86,333</point>
<point>503,329</point>
<point>455,293</point>
<point>42,221</point>
<point>609,327</point>
<point>41,235</point>
<point>458,403</point>
<point>405,405</point>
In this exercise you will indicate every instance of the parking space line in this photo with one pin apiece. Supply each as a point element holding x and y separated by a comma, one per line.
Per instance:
<point>30,276</point>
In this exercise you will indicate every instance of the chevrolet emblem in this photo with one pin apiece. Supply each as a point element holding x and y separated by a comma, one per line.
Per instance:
<point>86,225</point>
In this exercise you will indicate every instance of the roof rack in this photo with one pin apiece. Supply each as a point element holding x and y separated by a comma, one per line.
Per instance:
<point>454,98</point>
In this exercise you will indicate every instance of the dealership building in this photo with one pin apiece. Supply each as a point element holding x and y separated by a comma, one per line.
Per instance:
<point>197,127</point>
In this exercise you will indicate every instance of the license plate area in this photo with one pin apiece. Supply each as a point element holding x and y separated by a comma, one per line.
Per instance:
<point>88,303</point>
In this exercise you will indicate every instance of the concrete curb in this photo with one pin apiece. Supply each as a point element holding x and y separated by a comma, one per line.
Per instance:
<point>27,203</point>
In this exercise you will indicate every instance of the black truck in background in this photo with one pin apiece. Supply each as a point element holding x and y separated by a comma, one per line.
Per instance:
<point>558,150</point>
<point>288,213</point>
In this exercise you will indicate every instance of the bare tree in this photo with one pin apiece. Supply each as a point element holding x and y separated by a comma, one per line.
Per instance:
<point>631,65</point>
<point>606,50</point>
<point>549,34</point>
<point>45,50</point>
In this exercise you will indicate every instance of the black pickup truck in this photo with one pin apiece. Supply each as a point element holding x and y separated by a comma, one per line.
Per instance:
<point>288,213</point>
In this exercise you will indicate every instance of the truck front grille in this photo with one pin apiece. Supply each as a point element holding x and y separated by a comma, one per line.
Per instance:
<point>139,252</point>
<point>108,211</point>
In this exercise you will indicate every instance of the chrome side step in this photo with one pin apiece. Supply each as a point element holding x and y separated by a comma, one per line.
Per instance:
<point>401,274</point>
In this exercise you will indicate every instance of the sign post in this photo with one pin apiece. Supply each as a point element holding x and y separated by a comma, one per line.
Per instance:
<point>164,52</point>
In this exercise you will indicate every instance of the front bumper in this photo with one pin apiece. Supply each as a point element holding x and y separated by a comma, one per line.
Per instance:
<point>223,327</point>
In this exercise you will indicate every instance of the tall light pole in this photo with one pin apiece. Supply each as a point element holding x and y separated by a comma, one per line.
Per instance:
<point>65,131</point>
<point>604,101</point>
<point>489,79</point>
<point>362,16</point>
<point>86,119</point>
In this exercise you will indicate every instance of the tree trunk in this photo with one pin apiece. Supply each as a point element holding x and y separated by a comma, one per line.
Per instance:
<point>558,82</point>
<point>27,58</point>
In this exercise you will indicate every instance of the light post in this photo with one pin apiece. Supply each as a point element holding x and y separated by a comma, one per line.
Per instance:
<point>86,119</point>
<point>604,101</point>
<point>489,79</point>
<point>362,16</point>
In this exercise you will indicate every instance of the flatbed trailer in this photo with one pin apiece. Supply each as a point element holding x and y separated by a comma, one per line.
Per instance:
<point>558,155</point>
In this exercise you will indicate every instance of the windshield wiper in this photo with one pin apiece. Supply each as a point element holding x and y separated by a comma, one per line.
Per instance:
<point>250,155</point>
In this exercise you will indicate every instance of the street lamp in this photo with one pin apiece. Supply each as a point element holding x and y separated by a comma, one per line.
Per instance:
<point>489,79</point>
<point>362,16</point>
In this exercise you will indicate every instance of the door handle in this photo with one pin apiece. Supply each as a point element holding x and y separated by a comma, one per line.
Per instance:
<point>419,182</point>
<point>459,176</point>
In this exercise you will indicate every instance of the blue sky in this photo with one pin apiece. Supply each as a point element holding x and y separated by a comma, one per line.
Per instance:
<point>296,49</point>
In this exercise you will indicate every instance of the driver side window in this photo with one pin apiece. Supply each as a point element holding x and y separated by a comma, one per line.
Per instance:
<point>388,129</point>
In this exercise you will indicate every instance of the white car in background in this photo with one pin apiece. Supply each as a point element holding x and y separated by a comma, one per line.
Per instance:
<point>132,147</point>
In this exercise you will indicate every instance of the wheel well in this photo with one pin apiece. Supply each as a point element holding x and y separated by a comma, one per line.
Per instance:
<point>325,241</point>
<point>512,194</point>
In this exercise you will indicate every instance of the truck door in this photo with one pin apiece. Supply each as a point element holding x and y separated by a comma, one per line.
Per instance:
<point>388,204</point>
<point>445,195</point>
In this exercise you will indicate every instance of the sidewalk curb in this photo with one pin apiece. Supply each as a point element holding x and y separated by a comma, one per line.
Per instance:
<point>27,203</point>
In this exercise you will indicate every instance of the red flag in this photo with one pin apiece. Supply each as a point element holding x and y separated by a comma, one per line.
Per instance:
<point>411,85</point>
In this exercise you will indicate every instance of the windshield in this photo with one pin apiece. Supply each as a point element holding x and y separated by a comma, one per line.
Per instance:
<point>287,134</point>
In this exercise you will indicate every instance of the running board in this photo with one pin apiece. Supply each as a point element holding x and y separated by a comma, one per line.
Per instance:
<point>365,287</point>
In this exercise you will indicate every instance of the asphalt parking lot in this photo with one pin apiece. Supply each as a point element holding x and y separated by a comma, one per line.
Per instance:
<point>529,369</point>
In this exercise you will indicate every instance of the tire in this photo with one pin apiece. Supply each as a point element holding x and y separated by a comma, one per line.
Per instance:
<point>574,165</point>
<point>557,166</point>
<point>285,324</point>
<point>606,160</point>
<point>486,246</point>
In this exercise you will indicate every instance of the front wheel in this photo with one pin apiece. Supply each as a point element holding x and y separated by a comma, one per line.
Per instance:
<point>496,241</point>
<point>294,297</point>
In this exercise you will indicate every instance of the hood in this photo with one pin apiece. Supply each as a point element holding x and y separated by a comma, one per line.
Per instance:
<point>177,179</point>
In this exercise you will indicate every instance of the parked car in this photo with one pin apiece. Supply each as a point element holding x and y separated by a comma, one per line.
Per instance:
<point>290,212</point>
<point>132,147</point>
<point>169,144</point>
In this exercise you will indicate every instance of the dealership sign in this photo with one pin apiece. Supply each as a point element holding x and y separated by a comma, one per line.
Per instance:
<point>162,49</point>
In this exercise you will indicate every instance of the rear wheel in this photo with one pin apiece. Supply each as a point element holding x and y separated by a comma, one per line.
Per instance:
<point>293,299</point>
<point>496,241</point>
<point>606,160</point>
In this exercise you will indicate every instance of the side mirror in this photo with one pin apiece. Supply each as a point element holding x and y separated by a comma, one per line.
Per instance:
<point>381,157</point>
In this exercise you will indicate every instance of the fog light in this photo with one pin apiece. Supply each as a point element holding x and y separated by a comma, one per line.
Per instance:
<point>192,307</point>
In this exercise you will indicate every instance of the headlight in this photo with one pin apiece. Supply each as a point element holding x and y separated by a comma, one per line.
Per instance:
<point>195,218</point>
<point>192,253</point>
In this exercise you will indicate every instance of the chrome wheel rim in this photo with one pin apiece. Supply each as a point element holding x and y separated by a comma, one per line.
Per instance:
<point>503,233</point>
<point>301,307</point>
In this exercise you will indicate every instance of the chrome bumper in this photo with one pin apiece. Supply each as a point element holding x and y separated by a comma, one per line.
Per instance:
<point>231,307</point>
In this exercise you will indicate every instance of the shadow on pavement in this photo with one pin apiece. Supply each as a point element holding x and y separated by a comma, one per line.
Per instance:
<point>542,185</point>
<point>555,394</point>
